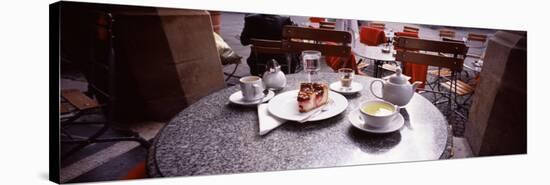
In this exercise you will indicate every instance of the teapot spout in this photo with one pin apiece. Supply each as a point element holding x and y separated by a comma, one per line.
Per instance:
<point>415,85</point>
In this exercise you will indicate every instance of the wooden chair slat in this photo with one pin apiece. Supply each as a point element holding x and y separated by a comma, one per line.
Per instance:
<point>431,60</point>
<point>266,50</point>
<point>447,33</point>
<point>431,45</point>
<point>327,23</point>
<point>328,50</point>
<point>290,32</point>
<point>461,89</point>
<point>464,85</point>
<point>327,27</point>
<point>444,72</point>
<point>389,67</point>
<point>378,25</point>
<point>448,87</point>
<point>267,46</point>
<point>410,29</point>
<point>477,37</point>
<point>266,43</point>
<point>79,99</point>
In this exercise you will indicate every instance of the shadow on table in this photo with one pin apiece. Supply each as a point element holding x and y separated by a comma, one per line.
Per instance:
<point>405,114</point>
<point>373,143</point>
<point>235,107</point>
<point>352,96</point>
<point>293,126</point>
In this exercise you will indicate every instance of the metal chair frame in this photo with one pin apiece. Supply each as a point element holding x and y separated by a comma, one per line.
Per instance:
<point>107,108</point>
<point>429,52</point>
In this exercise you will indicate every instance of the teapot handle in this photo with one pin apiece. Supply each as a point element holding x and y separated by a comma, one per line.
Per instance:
<point>372,83</point>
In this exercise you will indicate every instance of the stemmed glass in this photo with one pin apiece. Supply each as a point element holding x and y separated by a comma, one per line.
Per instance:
<point>311,61</point>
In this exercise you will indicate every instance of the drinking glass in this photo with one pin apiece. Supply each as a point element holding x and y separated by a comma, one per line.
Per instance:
<point>346,77</point>
<point>311,61</point>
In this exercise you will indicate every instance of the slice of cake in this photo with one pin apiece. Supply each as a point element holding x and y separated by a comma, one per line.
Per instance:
<point>312,95</point>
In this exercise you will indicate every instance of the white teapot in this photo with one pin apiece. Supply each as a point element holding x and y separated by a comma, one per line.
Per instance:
<point>397,89</point>
<point>274,78</point>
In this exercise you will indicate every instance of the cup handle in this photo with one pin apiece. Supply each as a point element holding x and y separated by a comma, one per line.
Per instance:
<point>372,83</point>
<point>397,109</point>
<point>257,89</point>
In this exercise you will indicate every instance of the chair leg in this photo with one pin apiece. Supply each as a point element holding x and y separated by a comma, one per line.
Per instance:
<point>289,63</point>
<point>377,68</point>
<point>95,138</point>
<point>83,143</point>
<point>451,89</point>
<point>232,74</point>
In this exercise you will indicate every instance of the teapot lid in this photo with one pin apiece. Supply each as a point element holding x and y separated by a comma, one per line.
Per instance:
<point>273,66</point>
<point>398,77</point>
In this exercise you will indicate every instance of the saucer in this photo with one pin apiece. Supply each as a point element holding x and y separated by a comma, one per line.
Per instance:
<point>356,120</point>
<point>237,98</point>
<point>337,87</point>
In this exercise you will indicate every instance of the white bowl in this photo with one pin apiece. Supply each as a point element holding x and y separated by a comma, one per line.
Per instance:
<point>382,117</point>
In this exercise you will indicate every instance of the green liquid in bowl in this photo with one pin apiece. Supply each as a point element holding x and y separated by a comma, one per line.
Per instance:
<point>378,109</point>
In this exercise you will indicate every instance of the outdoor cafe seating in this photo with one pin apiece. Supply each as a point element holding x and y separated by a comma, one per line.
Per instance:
<point>219,119</point>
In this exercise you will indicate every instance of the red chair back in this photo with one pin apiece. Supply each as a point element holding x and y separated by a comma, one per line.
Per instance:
<point>407,34</point>
<point>317,19</point>
<point>371,36</point>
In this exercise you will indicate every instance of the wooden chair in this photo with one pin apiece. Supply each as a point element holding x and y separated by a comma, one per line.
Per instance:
<point>477,37</point>
<point>428,52</point>
<point>275,47</point>
<point>446,33</point>
<point>100,98</point>
<point>328,42</point>
<point>267,46</point>
<point>410,29</point>
<point>463,87</point>
<point>317,19</point>
<point>327,25</point>
<point>381,26</point>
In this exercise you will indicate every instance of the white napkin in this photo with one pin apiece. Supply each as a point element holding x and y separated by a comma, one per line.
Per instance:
<point>267,121</point>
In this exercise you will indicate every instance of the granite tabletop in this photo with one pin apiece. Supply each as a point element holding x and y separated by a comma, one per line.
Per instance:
<point>213,136</point>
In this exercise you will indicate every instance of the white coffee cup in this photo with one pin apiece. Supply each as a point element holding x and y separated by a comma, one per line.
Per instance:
<point>378,113</point>
<point>252,88</point>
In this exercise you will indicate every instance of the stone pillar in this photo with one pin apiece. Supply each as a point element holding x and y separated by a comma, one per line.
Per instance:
<point>498,116</point>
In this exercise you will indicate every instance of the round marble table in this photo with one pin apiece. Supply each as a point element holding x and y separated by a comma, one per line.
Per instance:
<point>374,53</point>
<point>213,136</point>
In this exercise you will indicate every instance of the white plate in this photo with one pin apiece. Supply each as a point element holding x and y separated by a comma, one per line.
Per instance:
<point>337,87</point>
<point>357,121</point>
<point>285,106</point>
<point>237,98</point>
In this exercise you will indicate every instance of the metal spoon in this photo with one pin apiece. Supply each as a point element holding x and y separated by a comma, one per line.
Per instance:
<point>316,112</point>
<point>266,92</point>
